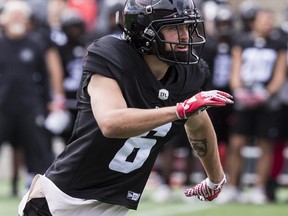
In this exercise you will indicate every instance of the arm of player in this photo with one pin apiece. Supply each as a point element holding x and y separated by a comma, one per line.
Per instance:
<point>113,116</point>
<point>279,74</point>
<point>117,121</point>
<point>54,66</point>
<point>203,141</point>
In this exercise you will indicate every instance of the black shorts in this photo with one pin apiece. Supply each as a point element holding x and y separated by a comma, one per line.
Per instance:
<point>22,130</point>
<point>221,120</point>
<point>37,207</point>
<point>284,122</point>
<point>260,123</point>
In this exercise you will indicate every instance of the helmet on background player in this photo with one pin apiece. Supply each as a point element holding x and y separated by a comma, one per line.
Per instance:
<point>72,24</point>
<point>247,12</point>
<point>144,20</point>
<point>224,22</point>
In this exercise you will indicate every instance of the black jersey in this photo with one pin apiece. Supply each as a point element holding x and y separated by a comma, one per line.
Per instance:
<point>23,76</point>
<point>112,170</point>
<point>259,56</point>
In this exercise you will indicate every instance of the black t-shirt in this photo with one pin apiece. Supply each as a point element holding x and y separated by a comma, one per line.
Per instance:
<point>112,170</point>
<point>24,80</point>
<point>259,56</point>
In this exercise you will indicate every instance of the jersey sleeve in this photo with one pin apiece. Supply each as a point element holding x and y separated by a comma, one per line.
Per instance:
<point>96,63</point>
<point>111,57</point>
<point>108,57</point>
<point>101,58</point>
<point>205,70</point>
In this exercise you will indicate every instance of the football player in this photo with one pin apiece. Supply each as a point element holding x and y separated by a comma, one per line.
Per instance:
<point>136,93</point>
<point>24,93</point>
<point>258,72</point>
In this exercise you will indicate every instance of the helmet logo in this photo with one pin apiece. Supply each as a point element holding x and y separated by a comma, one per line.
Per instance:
<point>26,55</point>
<point>149,32</point>
<point>149,9</point>
<point>163,94</point>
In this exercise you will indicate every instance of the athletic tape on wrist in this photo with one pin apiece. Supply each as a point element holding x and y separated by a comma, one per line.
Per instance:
<point>214,186</point>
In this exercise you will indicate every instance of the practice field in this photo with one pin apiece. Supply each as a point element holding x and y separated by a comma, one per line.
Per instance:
<point>178,207</point>
<point>183,206</point>
<point>209,209</point>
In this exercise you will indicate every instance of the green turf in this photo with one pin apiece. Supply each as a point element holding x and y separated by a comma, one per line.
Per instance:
<point>178,207</point>
<point>195,207</point>
<point>8,204</point>
<point>184,209</point>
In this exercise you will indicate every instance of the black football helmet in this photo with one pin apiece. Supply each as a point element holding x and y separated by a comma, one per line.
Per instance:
<point>224,21</point>
<point>144,20</point>
<point>71,18</point>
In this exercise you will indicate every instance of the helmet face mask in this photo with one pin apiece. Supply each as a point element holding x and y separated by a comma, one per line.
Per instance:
<point>182,50</point>
<point>146,20</point>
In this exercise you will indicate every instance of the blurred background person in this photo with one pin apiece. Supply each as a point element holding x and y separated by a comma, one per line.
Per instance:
<point>48,32</point>
<point>107,23</point>
<point>71,55</point>
<point>24,91</point>
<point>278,163</point>
<point>247,11</point>
<point>88,10</point>
<point>217,54</point>
<point>53,21</point>
<point>257,74</point>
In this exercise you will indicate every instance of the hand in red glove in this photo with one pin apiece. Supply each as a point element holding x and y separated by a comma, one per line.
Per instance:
<point>201,102</point>
<point>206,190</point>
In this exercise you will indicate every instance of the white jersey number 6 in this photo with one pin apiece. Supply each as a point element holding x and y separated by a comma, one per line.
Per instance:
<point>140,146</point>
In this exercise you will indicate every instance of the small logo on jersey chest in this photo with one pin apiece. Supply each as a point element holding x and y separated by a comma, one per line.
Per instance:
<point>133,196</point>
<point>163,94</point>
<point>26,55</point>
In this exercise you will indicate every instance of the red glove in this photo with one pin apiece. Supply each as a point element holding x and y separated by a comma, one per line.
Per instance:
<point>206,190</point>
<point>202,101</point>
